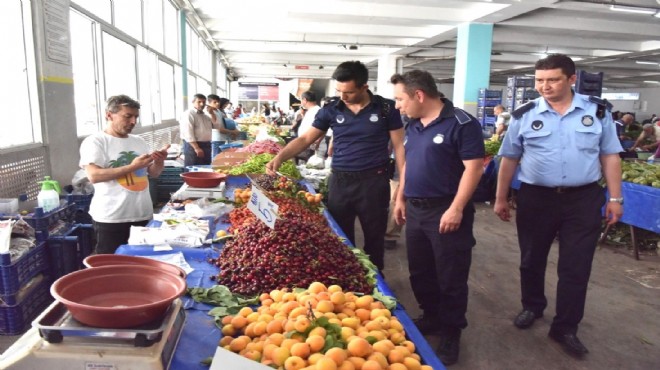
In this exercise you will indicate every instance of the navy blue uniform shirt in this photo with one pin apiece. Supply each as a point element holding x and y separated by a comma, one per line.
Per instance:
<point>359,140</point>
<point>435,153</point>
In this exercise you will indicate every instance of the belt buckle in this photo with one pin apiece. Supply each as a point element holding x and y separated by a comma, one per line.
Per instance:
<point>561,189</point>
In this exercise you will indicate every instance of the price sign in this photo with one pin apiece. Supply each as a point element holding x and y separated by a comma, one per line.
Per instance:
<point>262,207</point>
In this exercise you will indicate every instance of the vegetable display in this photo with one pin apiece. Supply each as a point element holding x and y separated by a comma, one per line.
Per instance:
<point>641,173</point>
<point>257,164</point>
<point>492,147</point>
<point>260,147</point>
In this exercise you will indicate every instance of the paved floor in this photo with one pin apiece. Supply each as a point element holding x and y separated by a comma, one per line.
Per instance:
<point>621,327</point>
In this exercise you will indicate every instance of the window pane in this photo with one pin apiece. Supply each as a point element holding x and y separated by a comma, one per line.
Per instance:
<point>119,67</point>
<point>167,103</point>
<point>171,25</point>
<point>145,72</point>
<point>189,47</point>
<point>192,87</point>
<point>17,123</point>
<point>128,17</point>
<point>178,85</point>
<point>154,27</point>
<point>100,8</point>
<point>84,76</point>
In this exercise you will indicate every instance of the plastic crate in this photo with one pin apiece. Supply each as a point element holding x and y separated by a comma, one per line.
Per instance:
<point>488,102</point>
<point>41,220</point>
<point>15,319</point>
<point>63,253</point>
<point>14,298</point>
<point>171,175</point>
<point>81,201</point>
<point>14,275</point>
<point>85,234</point>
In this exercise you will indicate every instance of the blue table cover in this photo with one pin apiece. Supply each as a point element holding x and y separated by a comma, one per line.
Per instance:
<point>641,206</point>
<point>200,335</point>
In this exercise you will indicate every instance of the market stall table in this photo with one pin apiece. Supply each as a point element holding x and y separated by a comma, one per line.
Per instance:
<point>200,335</point>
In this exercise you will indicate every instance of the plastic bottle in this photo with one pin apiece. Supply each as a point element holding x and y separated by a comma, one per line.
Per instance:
<point>49,196</point>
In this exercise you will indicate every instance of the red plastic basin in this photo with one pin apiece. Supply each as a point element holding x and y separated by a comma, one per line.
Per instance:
<point>203,179</point>
<point>98,260</point>
<point>118,296</point>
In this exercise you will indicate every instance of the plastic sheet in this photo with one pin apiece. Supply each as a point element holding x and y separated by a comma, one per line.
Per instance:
<point>641,207</point>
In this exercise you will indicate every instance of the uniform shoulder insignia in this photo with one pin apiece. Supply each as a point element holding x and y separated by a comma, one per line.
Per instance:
<point>600,101</point>
<point>385,104</point>
<point>523,109</point>
<point>462,116</point>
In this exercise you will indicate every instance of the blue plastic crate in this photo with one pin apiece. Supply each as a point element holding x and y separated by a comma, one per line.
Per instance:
<point>82,201</point>
<point>41,220</point>
<point>14,274</point>
<point>488,102</point>
<point>14,298</point>
<point>63,254</point>
<point>15,319</point>
<point>85,234</point>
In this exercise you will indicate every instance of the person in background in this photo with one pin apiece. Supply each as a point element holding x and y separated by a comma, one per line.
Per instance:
<point>239,112</point>
<point>195,129</point>
<point>559,196</point>
<point>118,163</point>
<point>311,107</point>
<point>216,111</point>
<point>444,151</point>
<point>650,119</point>
<point>299,115</point>
<point>502,121</point>
<point>362,125</point>
<point>621,126</point>
<point>266,111</point>
<point>648,138</point>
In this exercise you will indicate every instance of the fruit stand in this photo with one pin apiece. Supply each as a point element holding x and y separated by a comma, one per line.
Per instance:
<point>201,335</point>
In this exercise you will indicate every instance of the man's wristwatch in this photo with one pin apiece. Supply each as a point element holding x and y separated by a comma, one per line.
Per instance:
<point>618,200</point>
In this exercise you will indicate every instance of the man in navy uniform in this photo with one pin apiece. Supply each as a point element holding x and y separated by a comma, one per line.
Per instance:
<point>444,150</point>
<point>563,141</point>
<point>362,124</point>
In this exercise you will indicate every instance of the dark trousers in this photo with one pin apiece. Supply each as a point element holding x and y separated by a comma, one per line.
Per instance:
<point>439,264</point>
<point>190,158</point>
<point>109,236</point>
<point>368,199</point>
<point>575,217</point>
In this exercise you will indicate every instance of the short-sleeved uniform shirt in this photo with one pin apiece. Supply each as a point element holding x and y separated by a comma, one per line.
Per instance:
<point>360,140</point>
<point>556,150</point>
<point>435,153</point>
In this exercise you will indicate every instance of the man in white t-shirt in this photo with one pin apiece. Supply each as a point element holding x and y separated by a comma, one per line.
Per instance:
<point>309,103</point>
<point>118,164</point>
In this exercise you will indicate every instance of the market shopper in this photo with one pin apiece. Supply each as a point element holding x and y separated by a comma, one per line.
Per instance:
<point>362,125</point>
<point>648,139</point>
<point>310,106</point>
<point>502,121</point>
<point>195,130</point>
<point>117,163</point>
<point>216,110</point>
<point>564,141</point>
<point>444,153</point>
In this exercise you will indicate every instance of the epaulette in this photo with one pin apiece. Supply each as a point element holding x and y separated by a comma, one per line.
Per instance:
<point>603,105</point>
<point>523,109</point>
<point>462,116</point>
<point>386,106</point>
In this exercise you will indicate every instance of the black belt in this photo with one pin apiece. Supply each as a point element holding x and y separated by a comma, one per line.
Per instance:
<point>562,189</point>
<point>357,175</point>
<point>428,202</point>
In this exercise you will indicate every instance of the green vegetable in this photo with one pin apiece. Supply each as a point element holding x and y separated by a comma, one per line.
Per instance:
<point>257,164</point>
<point>228,303</point>
<point>492,147</point>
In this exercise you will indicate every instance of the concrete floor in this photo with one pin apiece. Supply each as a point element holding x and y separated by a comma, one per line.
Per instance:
<point>621,325</point>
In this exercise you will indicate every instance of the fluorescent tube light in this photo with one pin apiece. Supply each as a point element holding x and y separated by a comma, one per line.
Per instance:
<point>645,62</point>
<point>657,15</point>
<point>632,9</point>
<point>652,82</point>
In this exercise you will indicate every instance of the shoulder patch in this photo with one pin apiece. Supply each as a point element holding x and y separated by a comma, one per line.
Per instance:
<point>523,109</point>
<point>462,116</point>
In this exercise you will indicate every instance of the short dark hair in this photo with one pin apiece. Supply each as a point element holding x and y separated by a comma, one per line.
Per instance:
<point>223,102</point>
<point>309,96</point>
<point>199,96</point>
<point>115,103</point>
<point>213,97</point>
<point>417,80</point>
<point>554,61</point>
<point>353,70</point>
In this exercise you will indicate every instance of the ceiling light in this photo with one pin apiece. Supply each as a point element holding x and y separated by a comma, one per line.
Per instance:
<point>645,62</point>
<point>657,15</point>
<point>632,9</point>
<point>652,82</point>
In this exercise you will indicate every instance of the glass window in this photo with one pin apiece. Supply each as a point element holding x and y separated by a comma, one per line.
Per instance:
<point>128,17</point>
<point>100,8</point>
<point>20,123</point>
<point>192,86</point>
<point>166,74</point>
<point>88,113</point>
<point>171,25</point>
<point>118,67</point>
<point>178,85</point>
<point>146,71</point>
<point>189,47</point>
<point>154,26</point>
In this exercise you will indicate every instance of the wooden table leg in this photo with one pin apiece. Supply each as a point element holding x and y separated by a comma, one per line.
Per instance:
<point>634,242</point>
<point>603,236</point>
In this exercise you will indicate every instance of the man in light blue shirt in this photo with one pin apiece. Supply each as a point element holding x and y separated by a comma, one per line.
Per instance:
<point>564,142</point>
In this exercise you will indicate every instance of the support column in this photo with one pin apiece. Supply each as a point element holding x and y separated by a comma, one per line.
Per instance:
<point>472,70</point>
<point>184,59</point>
<point>387,66</point>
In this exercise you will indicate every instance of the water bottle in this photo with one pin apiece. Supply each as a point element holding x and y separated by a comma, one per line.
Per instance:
<point>49,196</point>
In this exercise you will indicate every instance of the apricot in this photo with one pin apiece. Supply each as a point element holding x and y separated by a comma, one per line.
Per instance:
<point>359,347</point>
<point>301,350</point>
<point>301,324</point>
<point>412,363</point>
<point>279,355</point>
<point>371,365</point>
<point>338,355</point>
<point>325,306</point>
<point>315,342</point>
<point>364,302</point>
<point>239,322</point>
<point>317,287</point>
<point>294,363</point>
<point>326,363</point>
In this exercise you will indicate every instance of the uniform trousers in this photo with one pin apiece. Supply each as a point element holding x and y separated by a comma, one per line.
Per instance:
<point>575,217</point>
<point>365,195</point>
<point>439,264</point>
<point>109,236</point>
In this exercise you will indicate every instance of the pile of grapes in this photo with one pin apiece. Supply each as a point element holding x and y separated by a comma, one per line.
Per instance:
<point>297,252</point>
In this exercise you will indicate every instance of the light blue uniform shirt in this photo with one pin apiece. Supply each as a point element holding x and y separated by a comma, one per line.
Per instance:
<point>557,150</point>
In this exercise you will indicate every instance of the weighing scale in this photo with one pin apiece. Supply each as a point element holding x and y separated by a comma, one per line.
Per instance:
<point>186,192</point>
<point>57,341</point>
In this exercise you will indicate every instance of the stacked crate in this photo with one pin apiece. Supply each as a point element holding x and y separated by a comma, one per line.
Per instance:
<point>168,182</point>
<point>487,101</point>
<point>519,90</point>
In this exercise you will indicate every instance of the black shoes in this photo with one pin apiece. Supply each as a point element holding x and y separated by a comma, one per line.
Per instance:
<point>428,324</point>
<point>449,347</point>
<point>526,318</point>
<point>569,342</point>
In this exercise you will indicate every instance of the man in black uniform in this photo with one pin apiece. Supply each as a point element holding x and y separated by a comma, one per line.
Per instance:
<point>362,125</point>
<point>444,150</point>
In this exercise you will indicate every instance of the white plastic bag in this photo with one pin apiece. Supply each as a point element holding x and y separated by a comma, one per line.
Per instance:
<point>315,161</point>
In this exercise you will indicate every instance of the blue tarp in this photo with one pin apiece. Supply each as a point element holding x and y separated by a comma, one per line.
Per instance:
<point>641,206</point>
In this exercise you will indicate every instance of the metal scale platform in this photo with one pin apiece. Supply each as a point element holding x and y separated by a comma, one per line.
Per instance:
<point>186,192</point>
<point>57,341</point>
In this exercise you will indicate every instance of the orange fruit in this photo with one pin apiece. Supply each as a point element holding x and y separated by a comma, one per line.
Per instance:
<point>279,355</point>
<point>412,363</point>
<point>315,343</point>
<point>301,324</point>
<point>371,365</point>
<point>326,363</point>
<point>338,355</point>
<point>239,322</point>
<point>294,363</point>
<point>301,350</point>
<point>359,347</point>
<point>317,287</point>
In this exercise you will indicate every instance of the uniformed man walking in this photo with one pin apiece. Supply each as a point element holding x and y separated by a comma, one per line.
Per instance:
<point>564,141</point>
<point>444,150</point>
<point>362,124</point>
